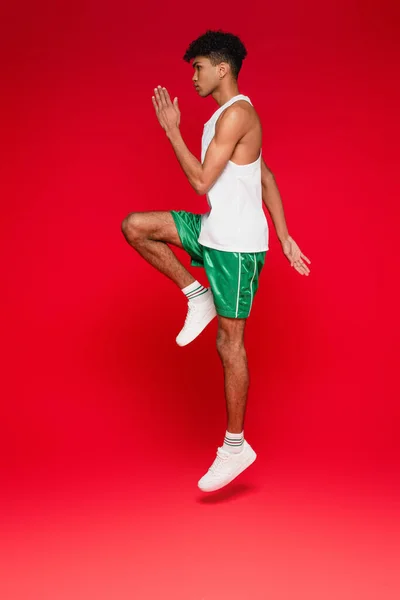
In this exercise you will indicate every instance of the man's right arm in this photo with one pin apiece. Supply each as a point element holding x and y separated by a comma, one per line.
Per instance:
<point>272,200</point>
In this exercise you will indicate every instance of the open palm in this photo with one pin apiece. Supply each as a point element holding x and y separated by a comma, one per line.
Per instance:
<point>295,256</point>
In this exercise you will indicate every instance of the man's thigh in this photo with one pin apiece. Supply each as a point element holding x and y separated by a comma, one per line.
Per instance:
<point>157,225</point>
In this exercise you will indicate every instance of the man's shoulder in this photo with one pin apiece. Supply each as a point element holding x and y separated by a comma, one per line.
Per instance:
<point>239,112</point>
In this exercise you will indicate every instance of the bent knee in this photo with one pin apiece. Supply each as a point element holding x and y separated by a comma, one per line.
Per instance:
<point>133,227</point>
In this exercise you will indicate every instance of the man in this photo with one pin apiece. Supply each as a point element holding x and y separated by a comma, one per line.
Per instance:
<point>230,241</point>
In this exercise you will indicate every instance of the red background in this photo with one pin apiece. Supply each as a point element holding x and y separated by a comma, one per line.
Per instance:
<point>106,424</point>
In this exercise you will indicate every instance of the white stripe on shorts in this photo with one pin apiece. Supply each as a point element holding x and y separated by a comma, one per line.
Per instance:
<point>238,290</point>
<point>251,283</point>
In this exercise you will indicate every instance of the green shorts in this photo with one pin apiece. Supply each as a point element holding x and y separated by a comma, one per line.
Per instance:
<point>233,276</point>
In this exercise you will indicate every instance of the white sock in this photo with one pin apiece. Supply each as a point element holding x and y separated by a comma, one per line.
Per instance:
<point>233,442</point>
<point>195,292</point>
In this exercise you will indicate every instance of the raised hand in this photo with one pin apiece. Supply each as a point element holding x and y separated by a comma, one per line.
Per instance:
<point>168,113</point>
<point>295,256</point>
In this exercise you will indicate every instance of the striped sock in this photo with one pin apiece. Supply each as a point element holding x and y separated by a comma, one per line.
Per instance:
<point>196,292</point>
<point>233,442</point>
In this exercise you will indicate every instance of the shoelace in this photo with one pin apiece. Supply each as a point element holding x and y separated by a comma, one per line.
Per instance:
<point>219,461</point>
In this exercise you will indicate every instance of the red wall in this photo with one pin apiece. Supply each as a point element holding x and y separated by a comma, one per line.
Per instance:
<point>92,375</point>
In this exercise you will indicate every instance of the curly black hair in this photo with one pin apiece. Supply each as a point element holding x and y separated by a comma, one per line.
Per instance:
<point>218,46</point>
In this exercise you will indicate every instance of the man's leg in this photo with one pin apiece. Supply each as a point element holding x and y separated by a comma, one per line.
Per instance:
<point>230,347</point>
<point>236,454</point>
<point>149,233</point>
<point>233,277</point>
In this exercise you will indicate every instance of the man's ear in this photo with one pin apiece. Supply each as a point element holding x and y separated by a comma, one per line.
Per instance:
<point>223,69</point>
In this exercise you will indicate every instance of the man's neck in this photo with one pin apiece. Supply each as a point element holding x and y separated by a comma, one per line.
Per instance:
<point>223,96</point>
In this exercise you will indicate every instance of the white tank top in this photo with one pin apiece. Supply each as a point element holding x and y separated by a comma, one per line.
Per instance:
<point>236,221</point>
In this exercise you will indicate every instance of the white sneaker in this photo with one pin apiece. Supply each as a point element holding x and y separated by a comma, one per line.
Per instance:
<point>198,316</point>
<point>226,467</point>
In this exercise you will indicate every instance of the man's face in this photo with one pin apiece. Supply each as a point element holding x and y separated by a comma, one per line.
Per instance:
<point>205,76</point>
